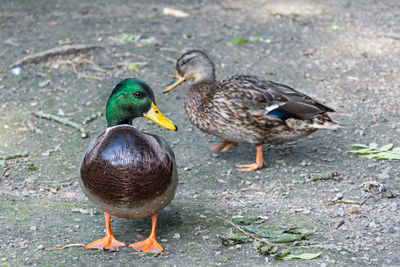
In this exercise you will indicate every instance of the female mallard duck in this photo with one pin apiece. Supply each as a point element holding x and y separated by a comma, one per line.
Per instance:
<point>128,173</point>
<point>246,109</point>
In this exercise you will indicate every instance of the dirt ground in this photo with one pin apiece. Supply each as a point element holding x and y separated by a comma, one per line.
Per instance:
<point>343,53</point>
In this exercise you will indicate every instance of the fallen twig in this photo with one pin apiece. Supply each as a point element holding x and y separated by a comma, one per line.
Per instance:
<point>241,230</point>
<point>392,36</point>
<point>85,212</point>
<point>64,121</point>
<point>14,156</point>
<point>66,246</point>
<point>324,176</point>
<point>61,50</point>
<point>10,42</point>
<point>126,64</point>
<point>86,76</point>
<point>91,117</point>
<point>368,197</point>
<point>344,201</point>
<point>6,169</point>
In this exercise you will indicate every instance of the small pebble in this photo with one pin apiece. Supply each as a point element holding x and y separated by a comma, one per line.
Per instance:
<point>353,210</point>
<point>339,223</point>
<point>306,211</point>
<point>177,236</point>
<point>16,71</point>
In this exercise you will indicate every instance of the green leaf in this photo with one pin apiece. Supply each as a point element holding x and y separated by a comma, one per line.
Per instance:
<point>292,234</point>
<point>132,67</point>
<point>233,236</point>
<point>361,151</point>
<point>358,145</point>
<point>32,168</point>
<point>238,41</point>
<point>187,36</point>
<point>387,152</point>
<point>264,232</point>
<point>299,230</point>
<point>248,221</point>
<point>304,256</point>
<point>98,69</point>
<point>287,238</point>
<point>334,27</point>
<point>372,145</point>
<point>396,150</point>
<point>323,176</point>
<point>282,254</point>
<point>388,192</point>
<point>386,147</point>
<point>254,39</point>
<point>265,248</point>
<point>132,38</point>
<point>125,37</point>
<point>387,155</point>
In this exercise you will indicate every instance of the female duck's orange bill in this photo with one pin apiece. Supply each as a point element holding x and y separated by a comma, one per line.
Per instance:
<point>155,115</point>
<point>178,80</point>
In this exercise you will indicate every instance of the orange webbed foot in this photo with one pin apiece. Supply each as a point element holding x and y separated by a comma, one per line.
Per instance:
<point>108,241</point>
<point>253,166</point>
<point>249,167</point>
<point>148,245</point>
<point>105,243</point>
<point>222,146</point>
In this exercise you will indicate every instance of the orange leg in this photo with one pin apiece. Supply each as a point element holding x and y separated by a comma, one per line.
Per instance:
<point>253,166</point>
<point>107,242</point>
<point>222,146</point>
<point>150,244</point>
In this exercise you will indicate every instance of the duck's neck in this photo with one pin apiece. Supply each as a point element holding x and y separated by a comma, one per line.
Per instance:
<point>117,115</point>
<point>198,102</point>
<point>204,75</point>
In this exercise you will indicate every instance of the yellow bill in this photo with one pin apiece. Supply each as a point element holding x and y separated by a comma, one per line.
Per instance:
<point>155,115</point>
<point>178,80</point>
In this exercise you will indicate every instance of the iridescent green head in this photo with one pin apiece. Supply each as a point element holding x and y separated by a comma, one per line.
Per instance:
<point>132,98</point>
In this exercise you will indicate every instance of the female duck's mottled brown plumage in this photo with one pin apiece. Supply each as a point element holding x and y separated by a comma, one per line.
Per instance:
<point>128,173</point>
<point>246,109</point>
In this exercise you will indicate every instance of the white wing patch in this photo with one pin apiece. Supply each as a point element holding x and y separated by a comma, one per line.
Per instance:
<point>272,107</point>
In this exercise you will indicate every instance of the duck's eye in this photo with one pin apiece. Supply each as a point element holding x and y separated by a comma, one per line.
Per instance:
<point>138,94</point>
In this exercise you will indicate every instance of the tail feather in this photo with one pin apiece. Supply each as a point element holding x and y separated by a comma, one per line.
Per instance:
<point>320,121</point>
<point>323,121</point>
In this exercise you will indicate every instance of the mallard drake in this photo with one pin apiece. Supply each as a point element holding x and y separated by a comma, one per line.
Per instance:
<point>128,173</point>
<point>246,109</point>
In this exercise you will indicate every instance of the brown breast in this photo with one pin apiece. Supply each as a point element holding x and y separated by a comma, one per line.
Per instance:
<point>126,167</point>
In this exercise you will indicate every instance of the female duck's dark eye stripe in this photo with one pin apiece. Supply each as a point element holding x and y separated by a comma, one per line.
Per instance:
<point>187,60</point>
